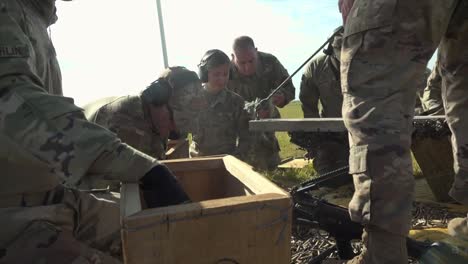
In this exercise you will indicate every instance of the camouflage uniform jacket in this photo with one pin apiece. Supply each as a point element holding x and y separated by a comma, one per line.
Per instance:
<point>127,117</point>
<point>45,139</point>
<point>321,84</point>
<point>38,54</point>
<point>221,128</point>
<point>270,74</point>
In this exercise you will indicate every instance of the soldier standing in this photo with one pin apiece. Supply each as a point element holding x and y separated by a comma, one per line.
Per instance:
<point>47,145</point>
<point>432,94</point>
<point>320,85</point>
<point>386,45</point>
<point>420,89</point>
<point>254,75</point>
<point>222,127</point>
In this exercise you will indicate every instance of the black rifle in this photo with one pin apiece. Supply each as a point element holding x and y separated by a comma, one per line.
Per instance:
<point>313,212</point>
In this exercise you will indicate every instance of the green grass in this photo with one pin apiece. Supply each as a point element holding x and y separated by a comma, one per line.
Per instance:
<point>288,178</point>
<point>289,150</point>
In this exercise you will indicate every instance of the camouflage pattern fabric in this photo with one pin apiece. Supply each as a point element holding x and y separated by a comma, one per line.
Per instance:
<point>320,85</point>
<point>46,140</point>
<point>130,118</point>
<point>420,89</point>
<point>432,95</point>
<point>70,226</point>
<point>36,59</point>
<point>261,153</point>
<point>270,73</point>
<point>187,97</point>
<point>126,117</point>
<point>386,47</point>
<point>321,96</point>
<point>222,128</point>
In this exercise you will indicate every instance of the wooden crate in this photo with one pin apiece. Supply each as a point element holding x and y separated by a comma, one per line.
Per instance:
<point>237,216</point>
<point>435,158</point>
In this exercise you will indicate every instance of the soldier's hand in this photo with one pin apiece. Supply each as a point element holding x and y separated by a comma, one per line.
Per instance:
<point>161,188</point>
<point>278,100</point>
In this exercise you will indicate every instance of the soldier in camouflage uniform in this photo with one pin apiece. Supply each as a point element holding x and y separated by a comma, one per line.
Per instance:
<point>136,121</point>
<point>386,45</point>
<point>222,127</point>
<point>47,144</point>
<point>321,85</point>
<point>255,74</point>
<point>432,96</point>
<point>420,88</point>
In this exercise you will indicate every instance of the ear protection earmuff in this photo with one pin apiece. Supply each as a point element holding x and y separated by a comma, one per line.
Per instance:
<point>210,55</point>
<point>157,93</point>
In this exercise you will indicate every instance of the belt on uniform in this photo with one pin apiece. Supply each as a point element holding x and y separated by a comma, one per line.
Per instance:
<point>32,199</point>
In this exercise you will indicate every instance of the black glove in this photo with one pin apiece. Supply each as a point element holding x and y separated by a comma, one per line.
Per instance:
<point>161,188</point>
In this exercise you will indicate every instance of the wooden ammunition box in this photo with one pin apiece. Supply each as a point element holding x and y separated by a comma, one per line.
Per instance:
<point>435,158</point>
<point>237,216</point>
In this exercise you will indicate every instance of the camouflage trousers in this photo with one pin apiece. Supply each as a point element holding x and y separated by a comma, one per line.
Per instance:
<point>386,47</point>
<point>330,156</point>
<point>76,227</point>
<point>263,153</point>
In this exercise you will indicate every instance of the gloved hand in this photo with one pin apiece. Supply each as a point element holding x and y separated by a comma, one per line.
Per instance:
<point>161,188</point>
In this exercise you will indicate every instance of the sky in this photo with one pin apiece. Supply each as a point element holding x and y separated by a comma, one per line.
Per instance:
<point>112,47</point>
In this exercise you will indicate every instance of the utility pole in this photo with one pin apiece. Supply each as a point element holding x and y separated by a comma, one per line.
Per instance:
<point>162,34</point>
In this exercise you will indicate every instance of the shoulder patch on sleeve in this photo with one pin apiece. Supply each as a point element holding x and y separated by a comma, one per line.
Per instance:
<point>18,51</point>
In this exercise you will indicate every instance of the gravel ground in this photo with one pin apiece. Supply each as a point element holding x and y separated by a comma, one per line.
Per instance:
<point>307,243</point>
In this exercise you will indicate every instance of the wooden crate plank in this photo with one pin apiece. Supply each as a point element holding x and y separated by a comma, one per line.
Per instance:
<point>194,164</point>
<point>210,231</point>
<point>256,182</point>
<point>435,158</point>
<point>273,233</point>
<point>244,228</point>
<point>203,184</point>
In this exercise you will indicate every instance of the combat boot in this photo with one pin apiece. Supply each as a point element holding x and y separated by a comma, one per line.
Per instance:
<point>379,247</point>
<point>458,227</point>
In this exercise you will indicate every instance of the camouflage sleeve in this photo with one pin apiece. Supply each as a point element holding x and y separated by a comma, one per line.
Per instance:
<point>432,96</point>
<point>282,74</point>
<point>309,93</point>
<point>16,51</point>
<point>51,129</point>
